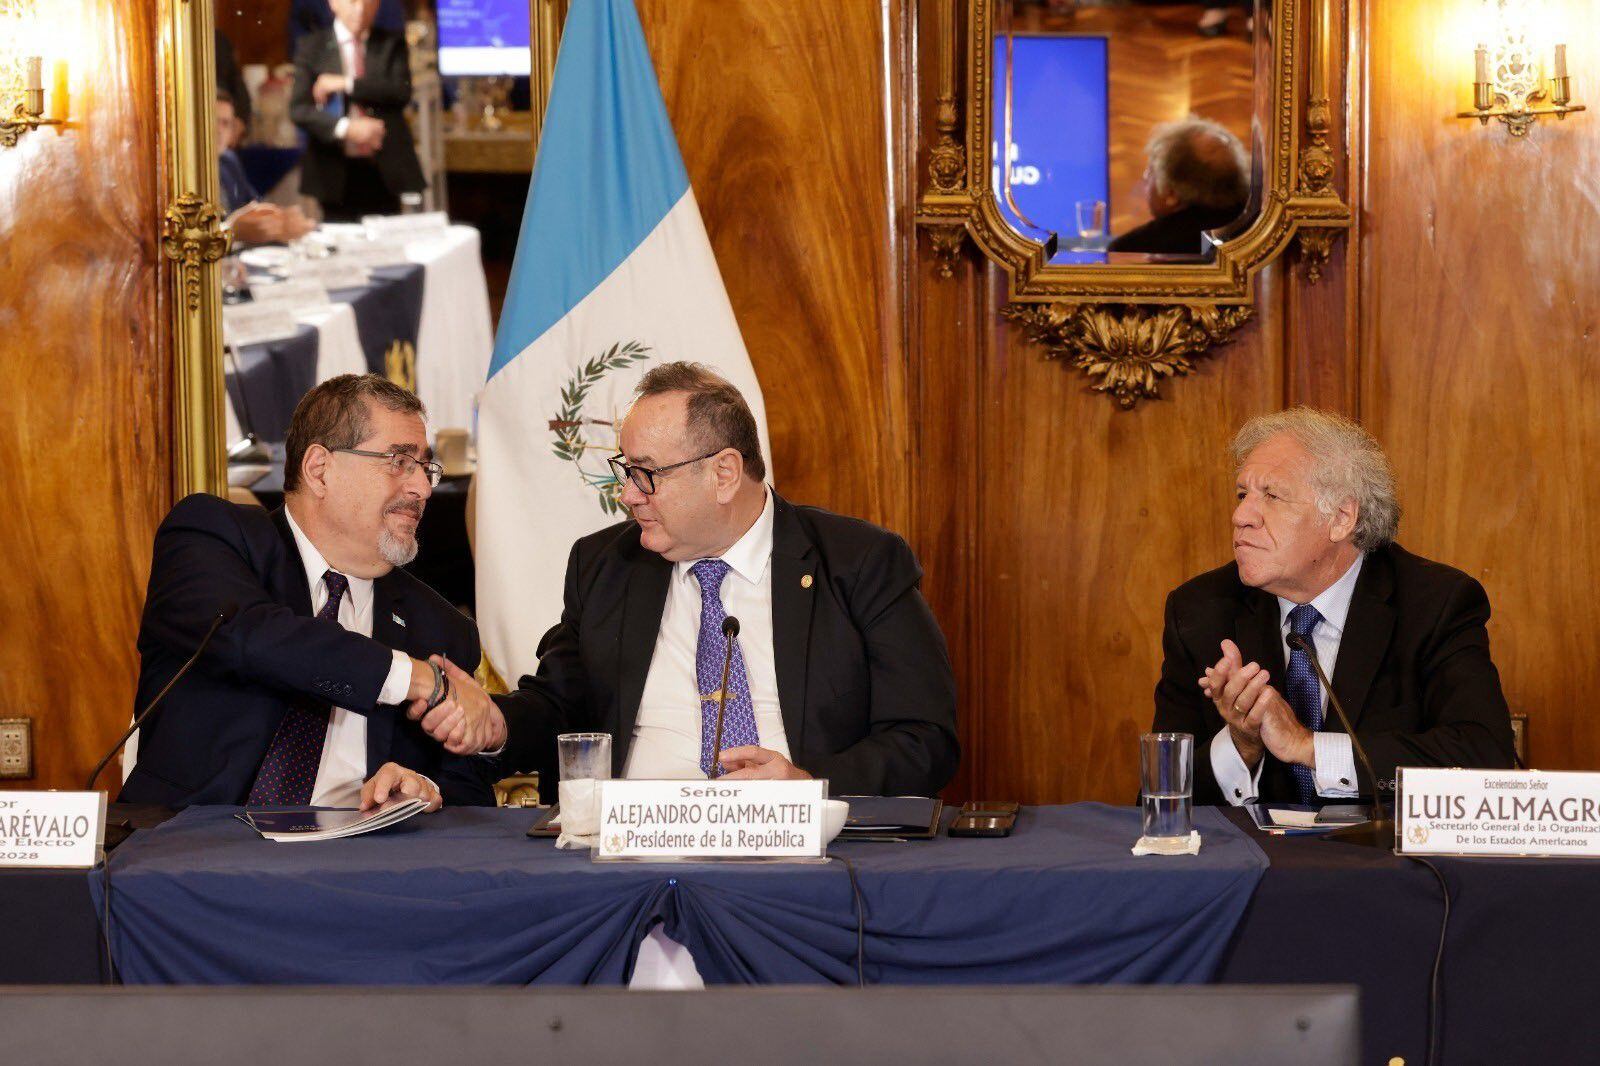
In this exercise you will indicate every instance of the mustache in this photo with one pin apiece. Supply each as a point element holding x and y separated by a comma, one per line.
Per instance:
<point>410,507</point>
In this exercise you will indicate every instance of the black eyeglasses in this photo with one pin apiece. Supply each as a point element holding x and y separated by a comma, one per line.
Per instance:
<point>401,465</point>
<point>643,477</point>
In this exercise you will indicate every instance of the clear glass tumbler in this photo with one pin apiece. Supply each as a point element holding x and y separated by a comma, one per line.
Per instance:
<point>1166,775</point>
<point>585,761</point>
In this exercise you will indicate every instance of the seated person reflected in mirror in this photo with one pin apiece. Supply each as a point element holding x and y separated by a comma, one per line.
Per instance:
<point>839,668</point>
<point>1197,179</point>
<point>352,83</point>
<point>337,678</point>
<point>252,220</point>
<point>1403,640</point>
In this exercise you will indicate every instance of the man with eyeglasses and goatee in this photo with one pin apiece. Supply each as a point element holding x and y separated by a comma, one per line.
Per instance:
<point>839,670</point>
<point>336,678</point>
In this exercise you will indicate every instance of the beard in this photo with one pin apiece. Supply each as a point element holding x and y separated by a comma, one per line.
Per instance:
<point>398,549</point>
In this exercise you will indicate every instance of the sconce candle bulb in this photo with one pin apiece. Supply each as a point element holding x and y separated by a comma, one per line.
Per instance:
<point>1561,61</point>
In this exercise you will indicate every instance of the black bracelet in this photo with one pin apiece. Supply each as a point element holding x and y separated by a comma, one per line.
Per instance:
<point>441,687</point>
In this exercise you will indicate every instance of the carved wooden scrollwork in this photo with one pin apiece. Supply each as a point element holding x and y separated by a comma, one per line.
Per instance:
<point>192,234</point>
<point>1128,350</point>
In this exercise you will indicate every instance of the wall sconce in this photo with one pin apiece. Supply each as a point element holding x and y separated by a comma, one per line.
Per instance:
<point>29,111</point>
<point>1508,81</point>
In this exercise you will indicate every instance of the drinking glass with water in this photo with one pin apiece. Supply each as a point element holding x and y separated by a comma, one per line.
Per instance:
<point>1166,774</point>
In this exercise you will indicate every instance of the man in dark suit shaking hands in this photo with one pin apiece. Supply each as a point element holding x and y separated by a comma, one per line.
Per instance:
<point>1402,638</point>
<point>337,678</point>
<point>839,669</point>
<point>351,87</point>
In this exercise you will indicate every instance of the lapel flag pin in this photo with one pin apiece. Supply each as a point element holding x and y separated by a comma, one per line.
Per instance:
<point>805,582</point>
<point>398,620</point>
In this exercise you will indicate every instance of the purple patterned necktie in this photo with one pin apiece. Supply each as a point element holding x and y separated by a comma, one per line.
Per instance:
<point>1305,695</point>
<point>288,774</point>
<point>738,716</point>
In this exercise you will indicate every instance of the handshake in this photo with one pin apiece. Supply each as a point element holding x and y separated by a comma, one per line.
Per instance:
<point>453,708</point>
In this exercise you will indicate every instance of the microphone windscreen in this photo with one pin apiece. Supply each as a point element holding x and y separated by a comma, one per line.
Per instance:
<point>730,627</point>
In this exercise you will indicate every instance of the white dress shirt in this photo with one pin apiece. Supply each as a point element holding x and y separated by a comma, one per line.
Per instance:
<point>666,735</point>
<point>348,43</point>
<point>343,769</point>
<point>1335,759</point>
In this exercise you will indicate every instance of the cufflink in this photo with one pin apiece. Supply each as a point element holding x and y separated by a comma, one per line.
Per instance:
<point>1344,780</point>
<point>1237,794</point>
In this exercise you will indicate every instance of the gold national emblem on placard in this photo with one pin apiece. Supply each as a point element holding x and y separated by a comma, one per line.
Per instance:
<point>1417,834</point>
<point>614,842</point>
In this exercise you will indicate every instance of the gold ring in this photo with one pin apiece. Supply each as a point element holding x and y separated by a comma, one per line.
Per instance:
<point>1237,707</point>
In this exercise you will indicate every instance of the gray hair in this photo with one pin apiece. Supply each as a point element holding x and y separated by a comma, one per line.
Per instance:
<point>1346,464</point>
<point>1199,163</point>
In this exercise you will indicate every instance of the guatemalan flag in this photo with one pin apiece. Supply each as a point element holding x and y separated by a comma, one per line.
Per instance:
<point>613,274</point>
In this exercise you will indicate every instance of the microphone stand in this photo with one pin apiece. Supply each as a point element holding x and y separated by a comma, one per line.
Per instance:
<point>1377,832</point>
<point>730,629</point>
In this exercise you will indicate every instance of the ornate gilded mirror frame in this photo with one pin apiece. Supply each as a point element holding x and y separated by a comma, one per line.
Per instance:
<point>1129,325</point>
<point>192,243</point>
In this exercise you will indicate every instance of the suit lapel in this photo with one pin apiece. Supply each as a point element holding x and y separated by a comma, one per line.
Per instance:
<point>1259,633</point>
<point>793,600</point>
<point>648,581</point>
<point>299,591</point>
<point>386,607</point>
<point>1367,629</point>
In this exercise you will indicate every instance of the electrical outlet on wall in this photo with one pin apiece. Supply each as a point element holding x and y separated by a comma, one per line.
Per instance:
<point>16,748</point>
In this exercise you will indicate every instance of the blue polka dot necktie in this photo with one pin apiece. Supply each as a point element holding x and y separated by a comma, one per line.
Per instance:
<point>288,774</point>
<point>738,716</point>
<point>1304,693</point>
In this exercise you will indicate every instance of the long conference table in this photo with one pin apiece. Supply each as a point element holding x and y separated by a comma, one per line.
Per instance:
<point>465,897</point>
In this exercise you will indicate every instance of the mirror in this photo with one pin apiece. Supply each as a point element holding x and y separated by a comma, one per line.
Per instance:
<point>1127,126</point>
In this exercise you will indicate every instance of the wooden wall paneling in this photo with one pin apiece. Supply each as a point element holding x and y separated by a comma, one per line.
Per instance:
<point>259,29</point>
<point>779,107</point>
<point>1480,280</point>
<point>1089,516</point>
<point>84,446</point>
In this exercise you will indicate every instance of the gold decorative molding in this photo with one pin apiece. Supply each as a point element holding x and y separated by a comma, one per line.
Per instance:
<point>946,242</point>
<point>192,234</point>
<point>1120,306</point>
<point>947,162</point>
<point>1127,351</point>
<point>193,239</point>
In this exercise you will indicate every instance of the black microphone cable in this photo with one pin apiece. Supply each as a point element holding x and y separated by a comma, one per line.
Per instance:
<point>1435,998</point>
<point>861,921</point>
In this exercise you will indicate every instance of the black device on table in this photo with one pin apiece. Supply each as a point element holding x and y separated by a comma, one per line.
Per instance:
<point>987,818</point>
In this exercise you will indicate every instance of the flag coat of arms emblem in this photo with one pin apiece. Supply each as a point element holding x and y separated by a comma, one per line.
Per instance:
<point>613,274</point>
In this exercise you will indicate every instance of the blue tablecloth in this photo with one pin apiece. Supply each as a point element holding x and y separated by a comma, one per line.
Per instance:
<point>464,897</point>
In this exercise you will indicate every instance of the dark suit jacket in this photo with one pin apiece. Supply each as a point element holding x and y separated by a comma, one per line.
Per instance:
<point>384,91</point>
<point>1413,670</point>
<point>206,741</point>
<point>1175,234</point>
<point>864,682</point>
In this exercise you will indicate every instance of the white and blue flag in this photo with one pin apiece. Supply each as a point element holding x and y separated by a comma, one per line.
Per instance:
<point>613,274</point>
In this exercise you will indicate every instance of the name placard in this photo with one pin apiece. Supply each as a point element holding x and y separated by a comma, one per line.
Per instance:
<point>642,820</point>
<point>1497,812</point>
<point>293,295</point>
<point>257,323</point>
<point>373,253</point>
<point>406,227</point>
<point>334,272</point>
<point>51,829</point>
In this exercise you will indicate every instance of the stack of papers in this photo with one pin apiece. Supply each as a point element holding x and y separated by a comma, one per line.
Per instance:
<point>295,826</point>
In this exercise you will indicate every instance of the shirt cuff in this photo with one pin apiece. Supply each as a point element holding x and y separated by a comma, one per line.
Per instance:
<point>341,127</point>
<point>1238,783</point>
<point>1336,765</point>
<point>398,683</point>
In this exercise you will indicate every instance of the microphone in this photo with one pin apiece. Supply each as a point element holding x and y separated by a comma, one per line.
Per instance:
<point>730,630</point>
<point>1380,831</point>
<point>222,616</point>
